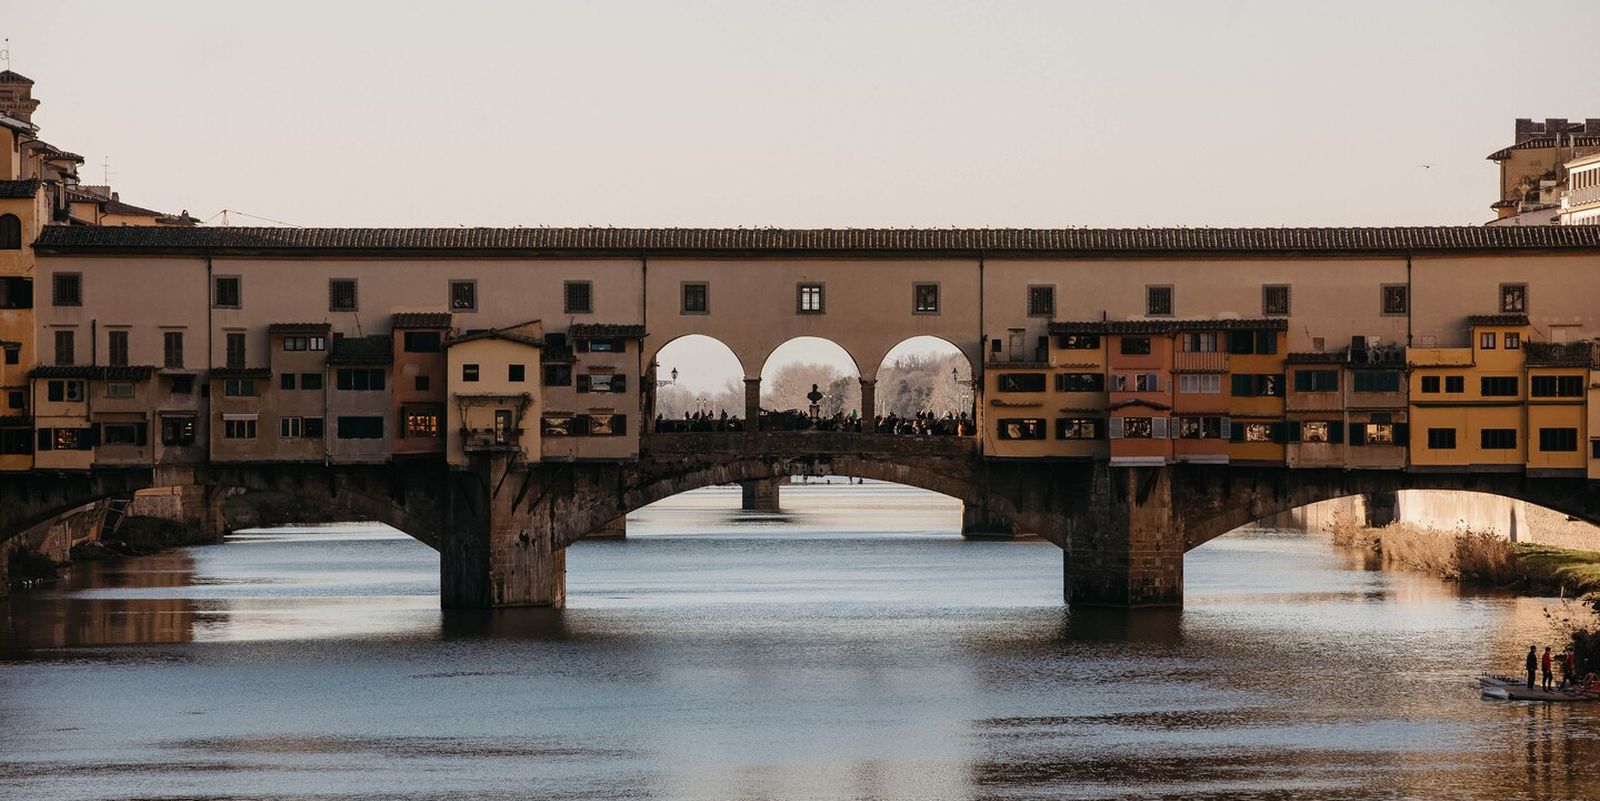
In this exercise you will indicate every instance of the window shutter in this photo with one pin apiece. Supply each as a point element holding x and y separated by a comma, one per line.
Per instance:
<point>1227,428</point>
<point>141,434</point>
<point>1402,434</point>
<point>1280,432</point>
<point>1158,428</point>
<point>1114,428</point>
<point>619,383</point>
<point>46,439</point>
<point>1236,433</point>
<point>619,424</point>
<point>583,345</point>
<point>583,383</point>
<point>1358,434</point>
<point>1243,386</point>
<point>1294,430</point>
<point>90,438</point>
<point>1336,432</point>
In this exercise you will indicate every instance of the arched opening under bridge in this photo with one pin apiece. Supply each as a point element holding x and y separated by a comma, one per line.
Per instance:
<point>810,383</point>
<point>925,386</point>
<point>698,385</point>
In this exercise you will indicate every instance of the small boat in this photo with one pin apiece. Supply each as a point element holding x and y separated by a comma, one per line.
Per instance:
<point>1510,688</point>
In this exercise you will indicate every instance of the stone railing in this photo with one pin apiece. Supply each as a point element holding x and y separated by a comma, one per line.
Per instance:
<point>784,443</point>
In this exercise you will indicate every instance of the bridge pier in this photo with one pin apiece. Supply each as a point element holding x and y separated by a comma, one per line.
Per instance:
<point>1128,549</point>
<point>614,530</point>
<point>978,523</point>
<point>499,546</point>
<point>760,495</point>
<point>752,406</point>
<point>869,403</point>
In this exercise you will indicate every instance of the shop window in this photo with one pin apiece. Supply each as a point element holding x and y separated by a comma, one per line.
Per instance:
<point>1019,382</point>
<point>1441,439</point>
<point>1019,428</point>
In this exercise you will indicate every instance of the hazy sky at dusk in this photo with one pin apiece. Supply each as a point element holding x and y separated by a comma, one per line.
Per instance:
<point>925,113</point>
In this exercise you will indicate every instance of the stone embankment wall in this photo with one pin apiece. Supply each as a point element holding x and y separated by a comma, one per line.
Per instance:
<point>1455,511</point>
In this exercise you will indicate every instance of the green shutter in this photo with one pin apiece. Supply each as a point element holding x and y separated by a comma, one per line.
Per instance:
<point>1402,434</point>
<point>1243,386</point>
<point>1236,433</point>
<point>1358,434</point>
<point>1336,432</point>
<point>1294,430</point>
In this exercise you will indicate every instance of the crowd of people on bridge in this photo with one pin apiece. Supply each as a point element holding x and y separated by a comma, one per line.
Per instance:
<point>921,424</point>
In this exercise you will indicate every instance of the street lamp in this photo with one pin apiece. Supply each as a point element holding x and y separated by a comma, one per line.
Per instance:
<point>671,382</point>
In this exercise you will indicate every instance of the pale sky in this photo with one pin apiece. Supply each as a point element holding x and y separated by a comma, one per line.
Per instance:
<point>924,113</point>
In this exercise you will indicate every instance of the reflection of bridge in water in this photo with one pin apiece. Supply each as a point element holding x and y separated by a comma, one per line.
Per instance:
<point>503,527</point>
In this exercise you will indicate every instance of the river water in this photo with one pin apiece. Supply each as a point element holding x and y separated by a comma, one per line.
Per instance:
<point>851,648</point>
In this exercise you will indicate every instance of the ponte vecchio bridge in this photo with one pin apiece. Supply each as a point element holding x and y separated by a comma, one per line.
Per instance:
<point>1139,392</point>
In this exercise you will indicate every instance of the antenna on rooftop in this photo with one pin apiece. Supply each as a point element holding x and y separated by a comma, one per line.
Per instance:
<point>5,51</point>
<point>105,171</point>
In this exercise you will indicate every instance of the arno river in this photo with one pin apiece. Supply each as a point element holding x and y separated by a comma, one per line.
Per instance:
<point>852,648</point>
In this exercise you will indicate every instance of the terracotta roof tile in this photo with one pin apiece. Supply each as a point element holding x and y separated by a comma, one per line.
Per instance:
<point>17,190</point>
<point>531,241</point>
<point>492,333</point>
<point>299,328</point>
<point>7,76</point>
<point>422,320</point>
<point>124,373</point>
<point>1562,354</point>
<point>1497,319</point>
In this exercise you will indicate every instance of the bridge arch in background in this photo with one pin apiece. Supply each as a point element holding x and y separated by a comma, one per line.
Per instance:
<point>710,378</point>
<point>925,373</point>
<point>792,367</point>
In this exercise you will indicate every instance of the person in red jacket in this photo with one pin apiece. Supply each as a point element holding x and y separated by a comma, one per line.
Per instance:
<point>1549,677</point>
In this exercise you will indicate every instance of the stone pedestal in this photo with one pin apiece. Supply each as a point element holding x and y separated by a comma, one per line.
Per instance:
<point>499,549</point>
<point>760,495</point>
<point>978,523</point>
<point>1132,553</point>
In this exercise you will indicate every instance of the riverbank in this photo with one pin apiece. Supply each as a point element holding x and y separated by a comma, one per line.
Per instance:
<point>1475,558</point>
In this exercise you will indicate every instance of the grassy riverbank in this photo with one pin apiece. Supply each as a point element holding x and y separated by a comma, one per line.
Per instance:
<point>1476,558</point>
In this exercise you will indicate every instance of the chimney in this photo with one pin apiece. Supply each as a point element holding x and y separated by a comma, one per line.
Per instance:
<point>1591,126</point>
<point>1526,129</point>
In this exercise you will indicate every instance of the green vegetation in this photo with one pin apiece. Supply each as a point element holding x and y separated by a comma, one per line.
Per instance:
<point>1571,572</point>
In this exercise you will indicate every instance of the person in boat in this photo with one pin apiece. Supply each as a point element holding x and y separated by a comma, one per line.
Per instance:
<point>1549,677</point>
<point>1533,663</point>
<point>1591,683</point>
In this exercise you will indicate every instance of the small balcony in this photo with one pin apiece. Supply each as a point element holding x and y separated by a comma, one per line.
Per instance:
<point>1185,361</point>
<point>1582,197</point>
<point>488,440</point>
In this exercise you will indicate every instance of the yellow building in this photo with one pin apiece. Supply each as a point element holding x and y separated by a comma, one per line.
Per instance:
<point>1258,432</point>
<point>493,406</point>
<point>1467,404</point>
<point>1558,389</point>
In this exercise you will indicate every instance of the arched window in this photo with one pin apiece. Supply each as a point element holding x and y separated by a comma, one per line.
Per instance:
<point>10,232</point>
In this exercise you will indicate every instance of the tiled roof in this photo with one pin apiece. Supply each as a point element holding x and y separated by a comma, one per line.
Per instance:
<point>125,373</point>
<point>422,320</point>
<point>16,190</point>
<point>492,333</point>
<point>1169,326</point>
<point>8,121</point>
<point>633,241</point>
<point>375,349</point>
<point>299,328</point>
<point>241,372</point>
<point>1561,354</point>
<point>605,331</point>
<point>114,206</point>
<point>7,76</point>
<point>1541,142</point>
<point>1498,319</point>
<point>1315,358</point>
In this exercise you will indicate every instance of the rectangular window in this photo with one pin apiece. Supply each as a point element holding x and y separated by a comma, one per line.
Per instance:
<point>469,372</point>
<point>1513,298</point>
<point>1080,428</point>
<point>558,425</point>
<point>1147,382</point>
<point>1430,384</point>
<point>516,373</point>
<point>1200,384</point>
<point>423,342</point>
<point>578,297</point>
<point>360,427</point>
<point>1137,428</point>
<point>421,421</point>
<point>1266,343</point>
<point>239,428</point>
<point>1019,382</point>
<point>13,353</point>
<point>307,343</point>
<point>225,292</point>
<point>172,349</point>
<point>177,431</point>
<point>420,383</point>
<point>122,434</point>
<point>1558,440</point>
<point>1158,301</point>
<point>601,382</point>
<point>1080,382</point>
<point>1199,342</point>
<point>1455,383</point>
<point>67,289</point>
<point>1275,300</point>
<point>311,381</point>
<point>1441,439</point>
<point>608,425</point>
<point>1396,298</point>
<point>1316,381</point>
<point>239,388</point>
<point>1498,386</point>
<point>925,298</point>
<point>16,442</point>
<point>463,296</point>
<point>15,399</point>
<point>119,389</point>
<point>696,297</point>
<point>558,375</point>
<point>1241,343</point>
<point>341,294</point>
<point>235,351</point>
<point>1498,439</point>
<point>602,345</point>
<point>1266,385</point>
<point>360,379</point>
<point>1317,432</point>
<point>1553,386</point>
<point>809,299</point>
<point>1041,301</point>
<point>16,293</point>
<point>1377,381</point>
<point>1199,428</point>
<point>286,381</point>
<point>291,427</point>
<point>1486,340</point>
<point>182,384</point>
<point>1513,340</point>
<point>66,347</point>
<point>1258,432</point>
<point>1020,428</point>
<point>1078,341</point>
<point>117,348</point>
<point>1135,346</point>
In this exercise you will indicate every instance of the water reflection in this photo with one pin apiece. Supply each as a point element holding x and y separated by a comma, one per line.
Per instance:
<point>855,649</point>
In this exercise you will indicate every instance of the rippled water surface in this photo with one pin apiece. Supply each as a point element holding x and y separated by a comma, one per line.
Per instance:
<point>853,647</point>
